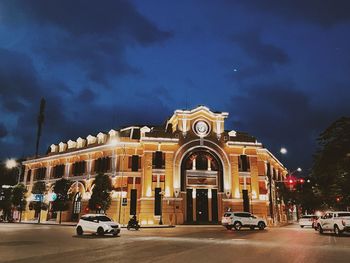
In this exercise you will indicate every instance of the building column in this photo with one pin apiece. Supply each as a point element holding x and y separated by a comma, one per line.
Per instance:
<point>48,172</point>
<point>210,205</point>
<point>209,163</point>
<point>67,170</point>
<point>235,176</point>
<point>194,205</point>
<point>88,168</point>
<point>194,163</point>
<point>113,160</point>
<point>25,175</point>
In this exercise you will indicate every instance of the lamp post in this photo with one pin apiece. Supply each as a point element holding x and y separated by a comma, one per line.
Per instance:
<point>161,194</point>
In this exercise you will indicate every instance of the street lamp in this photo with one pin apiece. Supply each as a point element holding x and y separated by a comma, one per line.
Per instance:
<point>283,150</point>
<point>161,194</point>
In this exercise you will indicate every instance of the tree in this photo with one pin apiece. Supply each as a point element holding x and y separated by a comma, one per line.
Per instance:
<point>331,167</point>
<point>61,202</point>
<point>5,202</point>
<point>39,188</point>
<point>18,198</point>
<point>101,198</point>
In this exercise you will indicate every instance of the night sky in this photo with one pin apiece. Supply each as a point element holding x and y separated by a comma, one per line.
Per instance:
<point>280,68</point>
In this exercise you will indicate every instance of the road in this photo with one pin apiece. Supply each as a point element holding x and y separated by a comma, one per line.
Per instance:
<point>42,243</point>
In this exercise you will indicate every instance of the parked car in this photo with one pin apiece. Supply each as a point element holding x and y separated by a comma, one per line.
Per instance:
<point>337,222</point>
<point>97,224</point>
<point>237,220</point>
<point>307,220</point>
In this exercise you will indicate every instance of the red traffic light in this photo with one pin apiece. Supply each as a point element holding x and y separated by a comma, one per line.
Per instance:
<point>290,181</point>
<point>301,181</point>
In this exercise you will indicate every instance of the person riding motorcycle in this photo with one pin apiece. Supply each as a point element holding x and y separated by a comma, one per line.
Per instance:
<point>133,223</point>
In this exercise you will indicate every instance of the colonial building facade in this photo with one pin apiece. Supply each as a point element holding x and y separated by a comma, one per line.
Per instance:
<point>190,170</point>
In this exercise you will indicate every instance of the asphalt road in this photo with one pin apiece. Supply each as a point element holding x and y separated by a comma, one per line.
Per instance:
<point>39,243</point>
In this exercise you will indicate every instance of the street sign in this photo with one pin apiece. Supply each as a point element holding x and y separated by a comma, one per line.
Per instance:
<point>38,197</point>
<point>125,201</point>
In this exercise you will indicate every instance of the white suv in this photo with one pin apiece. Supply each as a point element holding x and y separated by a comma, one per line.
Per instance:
<point>237,220</point>
<point>97,223</point>
<point>338,222</point>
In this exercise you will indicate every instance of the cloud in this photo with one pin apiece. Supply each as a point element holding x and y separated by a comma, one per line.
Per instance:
<point>18,81</point>
<point>325,13</point>
<point>279,114</point>
<point>3,131</point>
<point>92,35</point>
<point>68,115</point>
<point>261,57</point>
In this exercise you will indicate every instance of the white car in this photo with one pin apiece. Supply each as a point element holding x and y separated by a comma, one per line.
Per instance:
<point>98,224</point>
<point>307,220</point>
<point>337,222</point>
<point>237,220</point>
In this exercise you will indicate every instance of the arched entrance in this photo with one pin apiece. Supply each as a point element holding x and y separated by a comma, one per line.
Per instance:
<point>201,179</point>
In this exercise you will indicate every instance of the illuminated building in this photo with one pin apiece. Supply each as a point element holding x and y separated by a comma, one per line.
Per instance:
<point>191,170</point>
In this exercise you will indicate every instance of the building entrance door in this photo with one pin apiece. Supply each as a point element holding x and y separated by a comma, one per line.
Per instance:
<point>202,205</point>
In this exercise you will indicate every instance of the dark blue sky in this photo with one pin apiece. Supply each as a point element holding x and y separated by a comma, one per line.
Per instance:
<point>280,68</point>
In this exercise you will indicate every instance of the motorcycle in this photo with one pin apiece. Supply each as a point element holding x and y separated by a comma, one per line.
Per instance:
<point>133,224</point>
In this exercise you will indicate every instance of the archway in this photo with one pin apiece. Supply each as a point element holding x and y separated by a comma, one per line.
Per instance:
<point>201,180</point>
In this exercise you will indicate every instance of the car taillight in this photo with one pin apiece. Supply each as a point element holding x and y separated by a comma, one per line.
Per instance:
<point>343,222</point>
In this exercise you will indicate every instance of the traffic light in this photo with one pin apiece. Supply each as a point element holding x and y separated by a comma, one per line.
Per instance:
<point>301,180</point>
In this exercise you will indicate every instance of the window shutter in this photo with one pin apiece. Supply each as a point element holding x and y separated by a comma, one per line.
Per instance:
<point>246,205</point>
<point>158,159</point>
<point>244,163</point>
<point>133,201</point>
<point>157,201</point>
<point>135,163</point>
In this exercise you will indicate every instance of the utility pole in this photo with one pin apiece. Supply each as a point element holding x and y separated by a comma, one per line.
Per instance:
<point>40,123</point>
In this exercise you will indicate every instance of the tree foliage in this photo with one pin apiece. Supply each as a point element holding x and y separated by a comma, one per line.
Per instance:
<point>5,202</point>
<point>101,198</point>
<point>18,196</point>
<point>61,188</point>
<point>331,168</point>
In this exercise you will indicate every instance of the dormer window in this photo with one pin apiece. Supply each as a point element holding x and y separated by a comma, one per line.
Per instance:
<point>80,142</point>
<point>143,130</point>
<point>54,148</point>
<point>112,133</point>
<point>232,133</point>
<point>62,146</point>
<point>91,139</point>
<point>71,144</point>
<point>101,138</point>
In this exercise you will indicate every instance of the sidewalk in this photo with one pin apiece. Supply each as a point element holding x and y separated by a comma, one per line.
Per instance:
<point>53,223</point>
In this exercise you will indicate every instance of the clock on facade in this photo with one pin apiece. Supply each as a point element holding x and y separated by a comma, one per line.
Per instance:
<point>201,128</point>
